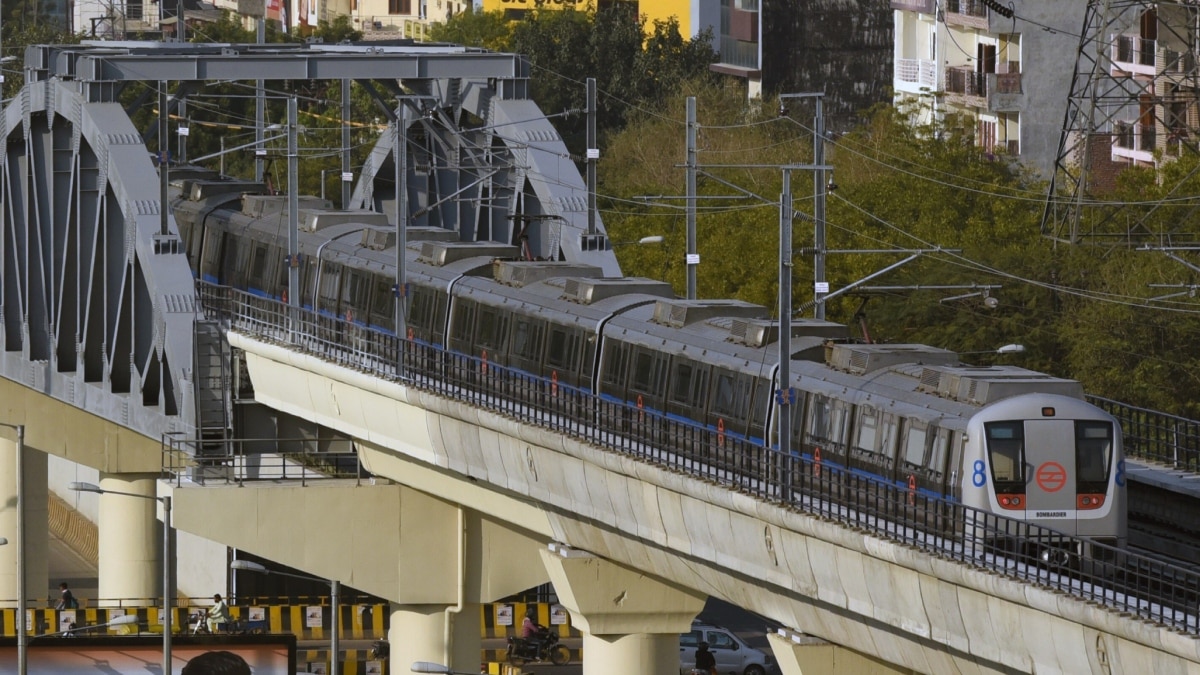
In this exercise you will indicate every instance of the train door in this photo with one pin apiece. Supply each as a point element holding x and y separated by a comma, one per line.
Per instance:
<point>1050,458</point>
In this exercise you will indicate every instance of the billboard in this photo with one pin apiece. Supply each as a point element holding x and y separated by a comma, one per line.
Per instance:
<point>265,654</point>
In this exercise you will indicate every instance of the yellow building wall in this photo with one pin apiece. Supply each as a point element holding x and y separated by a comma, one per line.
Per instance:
<point>652,10</point>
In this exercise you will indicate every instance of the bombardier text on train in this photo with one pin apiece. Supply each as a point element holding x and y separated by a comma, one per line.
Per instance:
<point>626,351</point>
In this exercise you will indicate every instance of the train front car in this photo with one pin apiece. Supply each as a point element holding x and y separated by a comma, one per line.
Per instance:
<point>1054,461</point>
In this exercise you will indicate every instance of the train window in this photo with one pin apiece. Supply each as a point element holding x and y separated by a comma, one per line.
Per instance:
<point>355,291</point>
<point>330,276</point>
<point>818,421</point>
<point>258,266</point>
<point>914,445</point>
<point>1093,454</point>
<point>732,396</point>
<point>616,360</point>
<point>383,300</point>
<point>527,340</point>
<point>681,382</point>
<point>230,272</point>
<point>211,269</point>
<point>463,325</point>
<point>563,346</point>
<point>761,403</point>
<point>493,326</point>
<point>891,429</point>
<point>838,418</point>
<point>649,371</point>
<point>941,444</point>
<point>868,427</point>
<point>1006,452</point>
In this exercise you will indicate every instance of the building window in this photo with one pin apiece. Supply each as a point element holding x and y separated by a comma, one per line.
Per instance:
<point>399,6</point>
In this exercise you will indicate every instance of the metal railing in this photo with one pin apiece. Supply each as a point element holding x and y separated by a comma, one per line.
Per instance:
<point>1116,578</point>
<point>965,80</point>
<point>1156,436</point>
<point>917,71</point>
<point>238,460</point>
<point>1134,49</point>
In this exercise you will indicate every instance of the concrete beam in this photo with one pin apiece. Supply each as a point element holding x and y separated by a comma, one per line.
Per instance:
<point>799,654</point>
<point>58,428</point>
<point>607,599</point>
<point>820,576</point>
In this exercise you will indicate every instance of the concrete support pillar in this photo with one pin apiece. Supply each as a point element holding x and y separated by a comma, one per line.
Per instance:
<point>437,616</point>
<point>130,534</point>
<point>799,654</point>
<point>631,622</point>
<point>435,633</point>
<point>37,536</point>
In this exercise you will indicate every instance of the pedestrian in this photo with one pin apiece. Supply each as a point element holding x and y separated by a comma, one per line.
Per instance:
<point>705,661</point>
<point>217,614</point>
<point>217,663</point>
<point>66,599</point>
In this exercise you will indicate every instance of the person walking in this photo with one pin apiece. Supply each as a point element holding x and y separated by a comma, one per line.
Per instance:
<point>66,599</point>
<point>705,661</point>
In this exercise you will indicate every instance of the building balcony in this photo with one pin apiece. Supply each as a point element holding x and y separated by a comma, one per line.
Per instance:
<point>1004,93</point>
<point>922,6</point>
<point>1132,54</point>
<point>1133,141</point>
<point>915,75</point>
<point>971,13</point>
<point>964,86</point>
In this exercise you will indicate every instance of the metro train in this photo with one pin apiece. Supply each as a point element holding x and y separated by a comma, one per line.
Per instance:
<point>1001,439</point>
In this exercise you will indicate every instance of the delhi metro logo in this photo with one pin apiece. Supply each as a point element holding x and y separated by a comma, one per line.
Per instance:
<point>1051,476</point>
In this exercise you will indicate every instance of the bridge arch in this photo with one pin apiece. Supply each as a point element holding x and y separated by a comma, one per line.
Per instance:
<point>96,295</point>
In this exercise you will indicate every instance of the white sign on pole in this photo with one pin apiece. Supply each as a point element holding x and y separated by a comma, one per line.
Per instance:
<point>347,176</point>
<point>693,258</point>
<point>821,287</point>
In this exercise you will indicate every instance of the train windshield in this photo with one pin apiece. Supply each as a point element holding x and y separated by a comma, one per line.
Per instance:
<point>1093,454</point>
<point>1006,452</point>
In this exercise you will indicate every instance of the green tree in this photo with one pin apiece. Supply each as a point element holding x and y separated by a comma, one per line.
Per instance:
<point>488,30</point>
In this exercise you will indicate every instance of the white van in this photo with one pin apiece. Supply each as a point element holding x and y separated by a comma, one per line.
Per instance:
<point>734,657</point>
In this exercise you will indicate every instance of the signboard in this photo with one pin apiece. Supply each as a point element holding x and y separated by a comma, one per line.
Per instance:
<point>504,615</point>
<point>108,654</point>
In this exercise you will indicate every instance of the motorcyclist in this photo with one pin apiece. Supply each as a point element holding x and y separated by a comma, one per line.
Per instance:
<point>533,633</point>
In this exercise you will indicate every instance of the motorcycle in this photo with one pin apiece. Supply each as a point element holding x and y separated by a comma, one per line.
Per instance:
<point>543,647</point>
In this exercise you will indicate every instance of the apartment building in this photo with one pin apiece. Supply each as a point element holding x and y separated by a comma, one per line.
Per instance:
<point>1153,66</point>
<point>842,48</point>
<point>1011,73</point>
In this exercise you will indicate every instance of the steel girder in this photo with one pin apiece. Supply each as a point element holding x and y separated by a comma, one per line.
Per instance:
<point>97,305</point>
<point>1156,107</point>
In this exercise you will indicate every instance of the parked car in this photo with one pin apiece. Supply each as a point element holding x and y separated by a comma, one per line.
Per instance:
<point>733,655</point>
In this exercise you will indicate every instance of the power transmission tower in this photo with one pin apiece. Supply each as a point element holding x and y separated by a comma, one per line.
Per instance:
<point>1133,101</point>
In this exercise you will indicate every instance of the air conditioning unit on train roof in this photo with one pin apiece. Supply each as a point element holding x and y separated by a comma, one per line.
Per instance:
<point>585,291</point>
<point>762,332</point>
<point>313,220</point>
<point>981,385</point>
<point>440,253</point>
<point>198,190</point>
<point>678,312</point>
<point>860,358</point>
<point>429,234</point>
<point>257,206</point>
<point>524,272</point>
<point>377,239</point>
